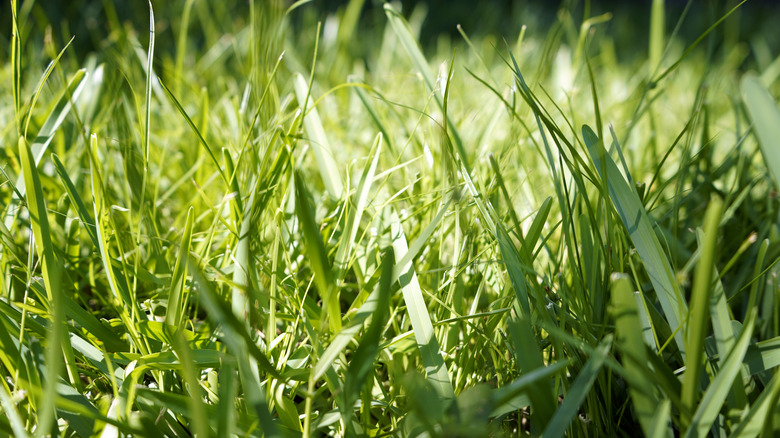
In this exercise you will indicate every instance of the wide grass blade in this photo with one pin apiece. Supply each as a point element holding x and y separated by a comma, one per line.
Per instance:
<point>640,230</point>
<point>420,317</point>
<point>630,342</point>
<point>765,115</point>
<point>176,303</point>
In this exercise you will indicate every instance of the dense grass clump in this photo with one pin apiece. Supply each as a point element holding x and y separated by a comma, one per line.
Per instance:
<point>287,222</point>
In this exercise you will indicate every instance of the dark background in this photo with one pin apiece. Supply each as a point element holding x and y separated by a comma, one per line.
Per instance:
<point>89,20</point>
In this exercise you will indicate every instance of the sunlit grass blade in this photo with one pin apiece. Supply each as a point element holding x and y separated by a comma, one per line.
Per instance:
<point>408,41</point>
<point>176,303</point>
<point>640,230</point>
<point>344,250</point>
<point>420,317</point>
<point>326,163</point>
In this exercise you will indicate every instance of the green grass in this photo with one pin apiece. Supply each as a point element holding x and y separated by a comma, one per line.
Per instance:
<point>291,223</point>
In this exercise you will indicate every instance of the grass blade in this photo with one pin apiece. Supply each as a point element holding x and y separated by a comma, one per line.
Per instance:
<point>640,230</point>
<point>435,368</point>
<point>765,115</point>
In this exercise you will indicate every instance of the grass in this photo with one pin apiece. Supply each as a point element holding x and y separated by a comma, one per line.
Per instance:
<point>280,226</point>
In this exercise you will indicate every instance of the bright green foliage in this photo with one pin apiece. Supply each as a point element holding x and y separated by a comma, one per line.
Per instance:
<point>287,223</point>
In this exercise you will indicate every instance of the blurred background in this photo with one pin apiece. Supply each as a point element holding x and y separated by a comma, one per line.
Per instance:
<point>90,20</point>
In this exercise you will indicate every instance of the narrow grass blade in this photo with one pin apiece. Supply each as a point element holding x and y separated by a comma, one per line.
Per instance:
<point>318,256</point>
<point>640,230</point>
<point>176,305</point>
<point>700,306</point>
<point>765,115</point>
<point>629,341</point>
<point>319,142</point>
<point>578,391</point>
<point>356,212</point>
<point>419,316</point>
<point>408,41</point>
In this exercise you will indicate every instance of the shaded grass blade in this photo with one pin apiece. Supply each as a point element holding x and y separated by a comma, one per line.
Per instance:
<point>765,115</point>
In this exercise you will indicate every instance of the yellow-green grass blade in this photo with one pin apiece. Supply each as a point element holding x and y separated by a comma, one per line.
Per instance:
<point>765,115</point>
<point>12,413</point>
<point>44,137</point>
<point>573,399</point>
<point>700,306</point>
<point>196,406</point>
<point>126,305</point>
<point>176,302</point>
<point>344,251</point>
<point>329,171</point>
<point>639,228</point>
<point>716,393</point>
<point>657,25</point>
<point>419,316</point>
<point>409,43</point>
<point>630,342</point>
<point>317,255</point>
<point>661,427</point>
<point>240,295</point>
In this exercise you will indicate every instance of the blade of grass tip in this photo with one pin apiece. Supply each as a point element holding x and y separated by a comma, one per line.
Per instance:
<point>578,391</point>
<point>197,132</point>
<point>700,306</point>
<point>41,83</point>
<point>765,115</point>
<point>52,275</point>
<point>319,141</point>
<point>640,230</point>
<point>419,316</point>
<point>629,341</point>
<point>356,213</point>
<point>409,42</point>
<point>176,307</point>
<point>317,255</point>
<point>716,393</point>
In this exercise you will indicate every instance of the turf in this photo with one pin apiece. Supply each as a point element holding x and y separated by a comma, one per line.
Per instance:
<point>299,222</point>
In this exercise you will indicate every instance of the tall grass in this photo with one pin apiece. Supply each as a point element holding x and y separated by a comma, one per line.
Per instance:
<point>255,231</point>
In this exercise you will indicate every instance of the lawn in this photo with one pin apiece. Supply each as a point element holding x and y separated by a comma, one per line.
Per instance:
<point>267,218</point>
